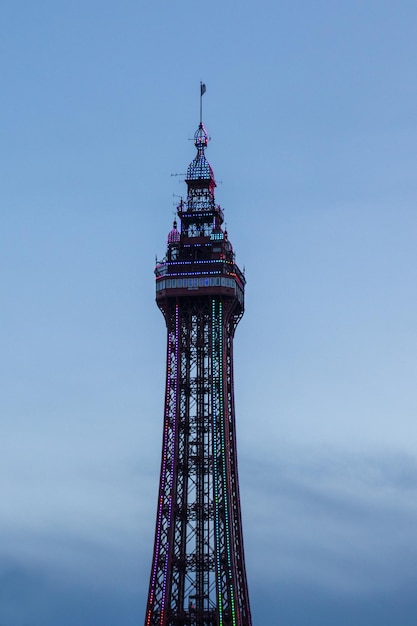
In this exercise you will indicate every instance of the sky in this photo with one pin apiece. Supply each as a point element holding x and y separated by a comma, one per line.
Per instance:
<point>311,110</point>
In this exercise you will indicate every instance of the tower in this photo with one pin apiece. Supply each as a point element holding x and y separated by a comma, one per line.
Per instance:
<point>198,575</point>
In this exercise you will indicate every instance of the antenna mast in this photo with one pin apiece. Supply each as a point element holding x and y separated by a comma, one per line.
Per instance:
<point>202,92</point>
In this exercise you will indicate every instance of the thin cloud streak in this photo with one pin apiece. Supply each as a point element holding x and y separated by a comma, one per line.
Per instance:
<point>332,520</point>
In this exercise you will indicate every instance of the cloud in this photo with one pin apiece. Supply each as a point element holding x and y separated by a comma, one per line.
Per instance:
<point>328,520</point>
<point>32,596</point>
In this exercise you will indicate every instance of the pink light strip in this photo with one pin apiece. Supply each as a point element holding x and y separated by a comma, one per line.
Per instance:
<point>173,448</point>
<point>164,475</point>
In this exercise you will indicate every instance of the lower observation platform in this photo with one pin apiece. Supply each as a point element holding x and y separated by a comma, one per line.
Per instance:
<point>204,285</point>
<point>199,278</point>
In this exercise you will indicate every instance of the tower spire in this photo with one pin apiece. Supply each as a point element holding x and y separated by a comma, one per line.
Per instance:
<point>198,575</point>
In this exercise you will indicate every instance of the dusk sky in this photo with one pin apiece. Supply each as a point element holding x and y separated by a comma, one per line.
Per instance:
<point>311,107</point>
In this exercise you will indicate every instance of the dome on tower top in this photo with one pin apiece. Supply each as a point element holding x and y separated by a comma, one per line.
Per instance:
<point>174,235</point>
<point>200,169</point>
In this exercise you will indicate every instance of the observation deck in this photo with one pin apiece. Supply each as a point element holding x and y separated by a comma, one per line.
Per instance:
<point>203,266</point>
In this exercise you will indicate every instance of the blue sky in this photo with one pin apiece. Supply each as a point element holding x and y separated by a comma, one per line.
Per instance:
<point>311,107</point>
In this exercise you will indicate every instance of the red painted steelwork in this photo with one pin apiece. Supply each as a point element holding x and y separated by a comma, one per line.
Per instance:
<point>198,575</point>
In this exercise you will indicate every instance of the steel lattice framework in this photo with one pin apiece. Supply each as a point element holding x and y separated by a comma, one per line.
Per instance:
<point>198,572</point>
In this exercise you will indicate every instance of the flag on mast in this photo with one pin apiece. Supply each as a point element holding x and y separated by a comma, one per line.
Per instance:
<point>202,89</point>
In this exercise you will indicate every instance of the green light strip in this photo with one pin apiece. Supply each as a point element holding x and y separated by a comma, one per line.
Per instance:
<point>225,473</point>
<point>214,355</point>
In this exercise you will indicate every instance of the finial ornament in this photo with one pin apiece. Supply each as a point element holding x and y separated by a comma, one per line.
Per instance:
<point>200,137</point>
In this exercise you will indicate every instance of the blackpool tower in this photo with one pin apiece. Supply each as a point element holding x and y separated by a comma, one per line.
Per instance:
<point>198,575</point>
